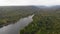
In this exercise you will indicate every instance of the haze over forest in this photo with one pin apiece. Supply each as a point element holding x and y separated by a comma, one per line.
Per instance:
<point>46,19</point>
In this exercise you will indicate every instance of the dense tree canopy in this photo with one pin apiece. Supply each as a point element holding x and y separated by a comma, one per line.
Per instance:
<point>44,22</point>
<point>11,14</point>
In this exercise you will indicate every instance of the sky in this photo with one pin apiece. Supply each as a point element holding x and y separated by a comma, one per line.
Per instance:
<point>29,2</point>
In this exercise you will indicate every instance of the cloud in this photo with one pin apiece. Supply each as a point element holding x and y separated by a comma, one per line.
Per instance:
<point>29,2</point>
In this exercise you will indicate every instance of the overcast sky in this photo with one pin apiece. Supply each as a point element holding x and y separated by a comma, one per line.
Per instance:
<point>29,2</point>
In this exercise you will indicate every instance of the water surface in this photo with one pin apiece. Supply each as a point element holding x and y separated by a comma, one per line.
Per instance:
<point>15,28</point>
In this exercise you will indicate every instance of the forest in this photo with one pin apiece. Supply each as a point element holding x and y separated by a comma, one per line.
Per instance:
<point>11,14</point>
<point>45,21</point>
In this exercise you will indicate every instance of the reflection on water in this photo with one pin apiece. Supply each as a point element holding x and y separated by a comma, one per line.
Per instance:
<point>14,28</point>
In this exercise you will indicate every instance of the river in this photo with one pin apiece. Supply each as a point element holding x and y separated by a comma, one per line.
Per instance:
<point>15,28</point>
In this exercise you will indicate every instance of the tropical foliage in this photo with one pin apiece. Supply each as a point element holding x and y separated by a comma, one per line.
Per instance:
<point>44,22</point>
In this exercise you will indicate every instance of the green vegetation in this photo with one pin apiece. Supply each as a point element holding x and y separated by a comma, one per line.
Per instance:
<point>44,22</point>
<point>11,14</point>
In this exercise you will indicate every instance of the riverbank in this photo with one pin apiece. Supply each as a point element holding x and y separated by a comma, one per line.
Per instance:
<point>43,23</point>
<point>11,14</point>
<point>14,28</point>
<point>7,22</point>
